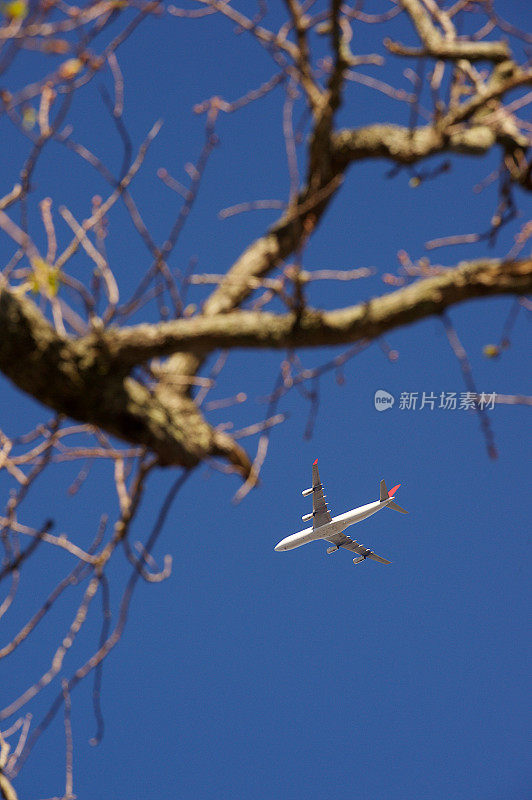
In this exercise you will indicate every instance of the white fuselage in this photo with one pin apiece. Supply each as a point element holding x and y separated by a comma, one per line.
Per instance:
<point>336,525</point>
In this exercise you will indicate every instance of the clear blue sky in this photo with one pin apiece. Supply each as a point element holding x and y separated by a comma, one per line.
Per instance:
<point>256,674</point>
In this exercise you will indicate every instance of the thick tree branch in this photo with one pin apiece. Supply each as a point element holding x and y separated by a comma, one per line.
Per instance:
<point>75,378</point>
<point>466,129</point>
<point>335,151</point>
<point>6,789</point>
<point>315,328</point>
<point>445,47</point>
<point>461,130</point>
<point>405,146</point>
<point>88,378</point>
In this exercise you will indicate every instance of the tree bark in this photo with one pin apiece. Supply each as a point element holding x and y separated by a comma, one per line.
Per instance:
<point>88,378</point>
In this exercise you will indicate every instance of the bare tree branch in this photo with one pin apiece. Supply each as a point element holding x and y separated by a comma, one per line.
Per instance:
<point>446,46</point>
<point>314,328</point>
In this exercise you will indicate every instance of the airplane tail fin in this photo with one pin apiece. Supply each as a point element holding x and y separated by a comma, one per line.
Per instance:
<point>385,494</point>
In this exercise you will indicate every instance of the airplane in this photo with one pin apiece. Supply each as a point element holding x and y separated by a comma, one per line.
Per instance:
<point>332,528</point>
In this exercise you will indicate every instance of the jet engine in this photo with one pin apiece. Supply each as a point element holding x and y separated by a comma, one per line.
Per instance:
<point>306,517</point>
<point>359,559</point>
<point>306,492</point>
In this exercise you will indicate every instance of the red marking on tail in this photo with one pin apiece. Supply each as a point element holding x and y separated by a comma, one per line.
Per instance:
<point>315,462</point>
<point>393,491</point>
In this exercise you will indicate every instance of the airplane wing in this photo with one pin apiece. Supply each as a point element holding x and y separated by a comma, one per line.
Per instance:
<point>341,540</point>
<point>319,506</point>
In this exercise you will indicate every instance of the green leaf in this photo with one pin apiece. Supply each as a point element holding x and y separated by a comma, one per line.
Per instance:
<point>45,278</point>
<point>15,9</point>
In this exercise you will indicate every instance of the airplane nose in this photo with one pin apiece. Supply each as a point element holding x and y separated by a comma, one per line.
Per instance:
<point>278,547</point>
